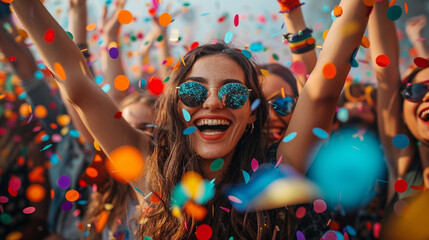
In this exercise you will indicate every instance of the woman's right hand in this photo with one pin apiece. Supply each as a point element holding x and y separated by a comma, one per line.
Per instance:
<point>415,26</point>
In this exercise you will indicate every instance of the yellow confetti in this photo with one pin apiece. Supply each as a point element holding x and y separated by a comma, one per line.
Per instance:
<point>264,72</point>
<point>91,27</point>
<point>183,61</point>
<point>96,146</point>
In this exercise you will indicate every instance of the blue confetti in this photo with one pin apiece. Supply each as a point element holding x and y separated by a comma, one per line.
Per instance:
<point>106,87</point>
<point>246,53</point>
<point>228,37</point>
<point>275,34</point>
<point>82,202</point>
<point>246,176</point>
<point>343,115</point>
<point>189,130</point>
<point>256,47</point>
<point>320,133</point>
<point>74,133</point>
<point>54,159</point>
<point>394,13</point>
<point>45,138</point>
<point>353,61</point>
<point>138,190</point>
<point>289,137</point>
<point>401,141</point>
<point>205,14</point>
<point>38,74</point>
<point>99,79</point>
<point>46,147</point>
<point>350,230</point>
<point>22,96</point>
<point>186,115</point>
<point>255,104</point>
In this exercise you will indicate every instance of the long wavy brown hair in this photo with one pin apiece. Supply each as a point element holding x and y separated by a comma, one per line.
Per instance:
<point>174,156</point>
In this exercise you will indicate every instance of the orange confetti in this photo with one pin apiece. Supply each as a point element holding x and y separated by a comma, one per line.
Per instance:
<point>195,210</point>
<point>102,221</point>
<point>325,33</point>
<point>329,71</point>
<point>96,145</point>
<point>406,8</point>
<point>391,3</point>
<point>264,72</point>
<point>63,120</point>
<point>40,111</point>
<point>121,83</point>
<point>91,172</point>
<point>154,198</point>
<point>365,42</point>
<point>177,65</point>
<point>35,193</point>
<point>338,11</point>
<point>91,27</point>
<point>120,161</point>
<point>164,19</point>
<point>283,92</point>
<point>125,17</point>
<point>169,61</point>
<point>369,3</point>
<point>72,195</point>
<point>60,71</point>
<point>7,1</point>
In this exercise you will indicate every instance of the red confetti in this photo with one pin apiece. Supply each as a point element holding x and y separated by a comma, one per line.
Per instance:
<point>418,188</point>
<point>401,186</point>
<point>221,19</point>
<point>194,45</point>
<point>152,11</point>
<point>421,62</point>
<point>236,20</point>
<point>382,61</point>
<point>204,232</point>
<point>118,115</point>
<point>49,35</point>
<point>155,86</point>
<point>12,59</point>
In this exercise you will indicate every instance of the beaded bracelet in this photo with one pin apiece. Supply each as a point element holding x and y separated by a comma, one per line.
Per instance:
<point>299,36</point>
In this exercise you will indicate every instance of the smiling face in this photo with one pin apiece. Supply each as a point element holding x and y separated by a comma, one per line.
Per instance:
<point>271,87</point>
<point>219,128</point>
<point>416,114</point>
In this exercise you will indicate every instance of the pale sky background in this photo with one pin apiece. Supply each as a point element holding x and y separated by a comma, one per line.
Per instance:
<point>259,21</point>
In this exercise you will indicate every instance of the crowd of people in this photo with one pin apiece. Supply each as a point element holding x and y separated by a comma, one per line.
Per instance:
<point>214,146</point>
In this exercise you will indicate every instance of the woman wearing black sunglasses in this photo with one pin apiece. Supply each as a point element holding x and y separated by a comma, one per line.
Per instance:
<point>402,113</point>
<point>204,115</point>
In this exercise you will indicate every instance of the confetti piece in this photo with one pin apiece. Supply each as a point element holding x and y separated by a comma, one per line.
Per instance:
<point>13,235</point>
<point>46,147</point>
<point>246,53</point>
<point>325,33</point>
<point>189,130</point>
<point>3,199</point>
<point>394,13</point>
<point>236,20</point>
<point>329,71</point>
<point>401,186</point>
<point>40,111</point>
<point>343,115</point>
<point>118,115</point>
<point>102,221</point>
<point>63,120</point>
<point>96,145</point>
<point>300,212</point>
<point>369,3</point>
<point>382,60</point>
<point>60,71</point>
<point>320,133</point>
<point>298,67</point>
<point>196,211</point>
<point>120,161</point>
<point>91,27</point>
<point>121,83</point>
<point>421,62</point>
<point>155,86</point>
<point>35,193</point>
<point>72,195</point>
<point>255,104</point>
<point>290,137</point>
<point>246,176</point>
<point>228,37</point>
<point>365,42</point>
<point>319,206</point>
<point>279,161</point>
<point>91,172</point>
<point>256,47</point>
<point>351,230</point>
<point>254,164</point>
<point>164,19</point>
<point>264,72</point>
<point>186,115</point>
<point>125,17</point>
<point>49,35</point>
<point>300,235</point>
<point>64,182</point>
<point>392,3</point>
<point>338,11</point>
<point>193,45</point>
<point>114,53</point>
<point>204,232</point>
<point>401,141</point>
<point>225,209</point>
<point>406,8</point>
<point>216,164</point>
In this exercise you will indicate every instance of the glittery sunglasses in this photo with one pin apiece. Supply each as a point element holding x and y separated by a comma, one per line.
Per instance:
<point>283,106</point>
<point>232,95</point>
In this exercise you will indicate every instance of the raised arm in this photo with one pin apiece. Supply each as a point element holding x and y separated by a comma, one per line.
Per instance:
<point>382,35</point>
<point>414,29</point>
<point>61,55</point>
<point>112,63</point>
<point>302,51</point>
<point>317,102</point>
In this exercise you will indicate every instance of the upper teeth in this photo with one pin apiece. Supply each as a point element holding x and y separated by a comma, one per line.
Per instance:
<point>424,113</point>
<point>202,122</point>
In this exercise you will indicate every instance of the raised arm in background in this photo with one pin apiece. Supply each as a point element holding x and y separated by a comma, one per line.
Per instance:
<point>414,29</point>
<point>384,41</point>
<point>320,95</point>
<point>295,23</point>
<point>72,74</point>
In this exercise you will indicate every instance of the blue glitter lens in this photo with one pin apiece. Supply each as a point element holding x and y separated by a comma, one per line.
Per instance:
<point>193,94</point>
<point>415,92</point>
<point>233,95</point>
<point>284,106</point>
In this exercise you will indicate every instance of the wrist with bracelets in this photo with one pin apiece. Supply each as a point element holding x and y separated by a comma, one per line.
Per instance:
<point>84,49</point>
<point>300,42</point>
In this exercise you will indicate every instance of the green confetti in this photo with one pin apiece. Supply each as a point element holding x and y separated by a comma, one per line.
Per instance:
<point>275,57</point>
<point>70,35</point>
<point>216,164</point>
<point>160,38</point>
<point>166,79</point>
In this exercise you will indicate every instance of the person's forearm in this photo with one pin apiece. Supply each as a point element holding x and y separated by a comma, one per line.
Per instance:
<point>163,53</point>
<point>78,22</point>
<point>422,47</point>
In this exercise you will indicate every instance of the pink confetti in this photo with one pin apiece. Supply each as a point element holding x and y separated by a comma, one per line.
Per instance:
<point>3,199</point>
<point>186,226</point>
<point>29,210</point>
<point>225,209</point>
<point>76,212</point>
<point>234,199</point>
<point>377,228</point>
<point>279,161</point>
<point>236,20</point>
<point>319,206</point>
<point>298,68</point>
<point>254,164</point>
